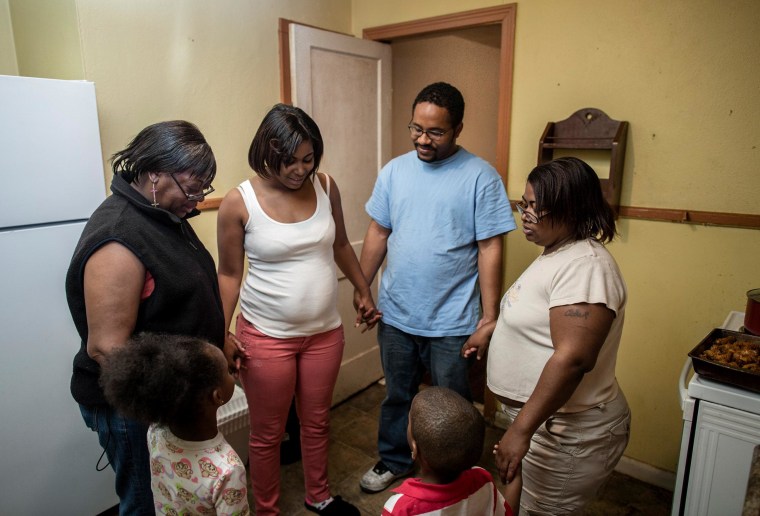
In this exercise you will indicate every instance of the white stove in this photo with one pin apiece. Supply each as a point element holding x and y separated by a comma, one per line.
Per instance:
<point>723,394</point>
<point>720,432</point>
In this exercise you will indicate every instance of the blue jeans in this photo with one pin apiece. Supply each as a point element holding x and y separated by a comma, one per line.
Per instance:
<point>405,358</point>
<point>126,445</point>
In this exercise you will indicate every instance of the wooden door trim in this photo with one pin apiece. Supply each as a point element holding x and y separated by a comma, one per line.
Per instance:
<point>486,16</point>
<point>283,37</point>
<point>504,15</point>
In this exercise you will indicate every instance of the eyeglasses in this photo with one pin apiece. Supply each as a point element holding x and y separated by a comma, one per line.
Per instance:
<point>194,196</point>
<point>522,209</point>
<point>433,134</point>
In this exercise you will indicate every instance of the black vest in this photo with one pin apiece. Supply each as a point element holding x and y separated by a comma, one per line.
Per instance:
<point>186,297</point>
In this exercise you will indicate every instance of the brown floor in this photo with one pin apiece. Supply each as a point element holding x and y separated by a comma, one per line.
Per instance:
<point>353,450</point>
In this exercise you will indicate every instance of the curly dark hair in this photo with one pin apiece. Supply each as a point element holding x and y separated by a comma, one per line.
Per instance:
<point>174,146</point>
<point>449,431</point>
<point>443,95</point>
<point>160,378</point>
<point>283,129</point>
<point>569,192</point>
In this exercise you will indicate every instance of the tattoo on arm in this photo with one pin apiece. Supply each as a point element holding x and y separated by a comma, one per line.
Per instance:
<point>577,313</point>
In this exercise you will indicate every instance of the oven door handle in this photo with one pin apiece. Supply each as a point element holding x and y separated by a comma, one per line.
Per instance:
<point>682,383</point>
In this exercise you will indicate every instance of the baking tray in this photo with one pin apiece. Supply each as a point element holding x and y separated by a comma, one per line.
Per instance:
<point>723,373</point>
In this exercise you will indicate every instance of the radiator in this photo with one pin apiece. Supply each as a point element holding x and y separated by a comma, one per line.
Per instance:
<point>232,420</point>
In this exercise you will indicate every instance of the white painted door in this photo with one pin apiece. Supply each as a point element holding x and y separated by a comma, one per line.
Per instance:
<point>344,83</point>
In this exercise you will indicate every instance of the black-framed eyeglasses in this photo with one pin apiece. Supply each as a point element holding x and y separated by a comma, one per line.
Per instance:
<point>194,196</point>
<point>522,209</point>
<point>433,134</point>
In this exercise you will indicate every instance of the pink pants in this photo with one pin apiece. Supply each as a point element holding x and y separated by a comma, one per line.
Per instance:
<point>275,370</point>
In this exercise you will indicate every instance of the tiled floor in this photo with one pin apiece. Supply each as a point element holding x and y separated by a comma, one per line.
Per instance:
<point>353,451</point>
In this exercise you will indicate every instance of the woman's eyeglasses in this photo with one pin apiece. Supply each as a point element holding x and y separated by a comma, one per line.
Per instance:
<point>522,209</point>
<point>194,196</point>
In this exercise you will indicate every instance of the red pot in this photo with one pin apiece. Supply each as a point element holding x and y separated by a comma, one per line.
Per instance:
<point>752,313</point>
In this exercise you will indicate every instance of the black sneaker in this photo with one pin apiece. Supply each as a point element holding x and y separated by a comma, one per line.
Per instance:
<point>338,507</point>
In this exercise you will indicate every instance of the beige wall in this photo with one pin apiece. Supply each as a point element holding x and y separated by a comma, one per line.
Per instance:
<point>46,35</point>
<point>8,63</point>
<point>683,74</point>
<point>213,63</point>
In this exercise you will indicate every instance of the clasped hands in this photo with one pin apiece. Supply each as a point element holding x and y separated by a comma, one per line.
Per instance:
<point>479,341</point>
<point>366,311</point>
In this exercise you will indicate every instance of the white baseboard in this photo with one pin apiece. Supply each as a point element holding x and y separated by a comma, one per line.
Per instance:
<point>646,473</point>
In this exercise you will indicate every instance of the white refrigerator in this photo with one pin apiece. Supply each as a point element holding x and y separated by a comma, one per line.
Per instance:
<point>52,176</point>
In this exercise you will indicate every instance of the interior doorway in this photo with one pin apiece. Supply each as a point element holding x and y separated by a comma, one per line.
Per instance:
<point>469,37</point>
<point>467,58</point>
<point>474,50</point>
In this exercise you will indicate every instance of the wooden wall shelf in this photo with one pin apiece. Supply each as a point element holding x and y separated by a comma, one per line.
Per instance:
<point>589,129</point>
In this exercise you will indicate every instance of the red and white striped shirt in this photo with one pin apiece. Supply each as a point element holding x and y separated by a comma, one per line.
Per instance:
<point>473,493</point>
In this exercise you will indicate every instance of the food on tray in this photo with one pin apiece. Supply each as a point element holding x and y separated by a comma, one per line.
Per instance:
<point>735,352</point>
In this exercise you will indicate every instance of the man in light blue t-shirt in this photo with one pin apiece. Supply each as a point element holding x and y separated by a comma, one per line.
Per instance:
<point>439,214</point>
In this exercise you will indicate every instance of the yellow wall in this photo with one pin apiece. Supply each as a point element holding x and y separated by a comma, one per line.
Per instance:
<point>46,35</point>
<point>8,63</point>
<point>213,63</point>
<point>683,73</point>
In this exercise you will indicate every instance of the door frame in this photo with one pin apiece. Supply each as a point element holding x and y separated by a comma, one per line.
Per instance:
<point>504,15</point>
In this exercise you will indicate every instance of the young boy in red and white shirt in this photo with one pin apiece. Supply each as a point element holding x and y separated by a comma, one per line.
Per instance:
<point>446,434</point>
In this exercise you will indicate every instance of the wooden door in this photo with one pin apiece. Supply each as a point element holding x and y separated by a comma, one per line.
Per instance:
<point>344,83</point>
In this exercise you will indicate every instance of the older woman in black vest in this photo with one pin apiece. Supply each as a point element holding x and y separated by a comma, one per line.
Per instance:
<point>139,267</point>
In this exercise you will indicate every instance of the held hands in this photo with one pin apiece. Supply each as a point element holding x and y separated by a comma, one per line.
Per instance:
<point>509,453</point>
<point>235,352</point>
<point>479,341</point>
<point>366,311</point>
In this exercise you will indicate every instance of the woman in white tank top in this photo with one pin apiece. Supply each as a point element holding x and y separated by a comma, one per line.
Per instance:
<point>287,221</point>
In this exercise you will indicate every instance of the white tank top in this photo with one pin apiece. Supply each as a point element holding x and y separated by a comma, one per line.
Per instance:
<point>291,289</point>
